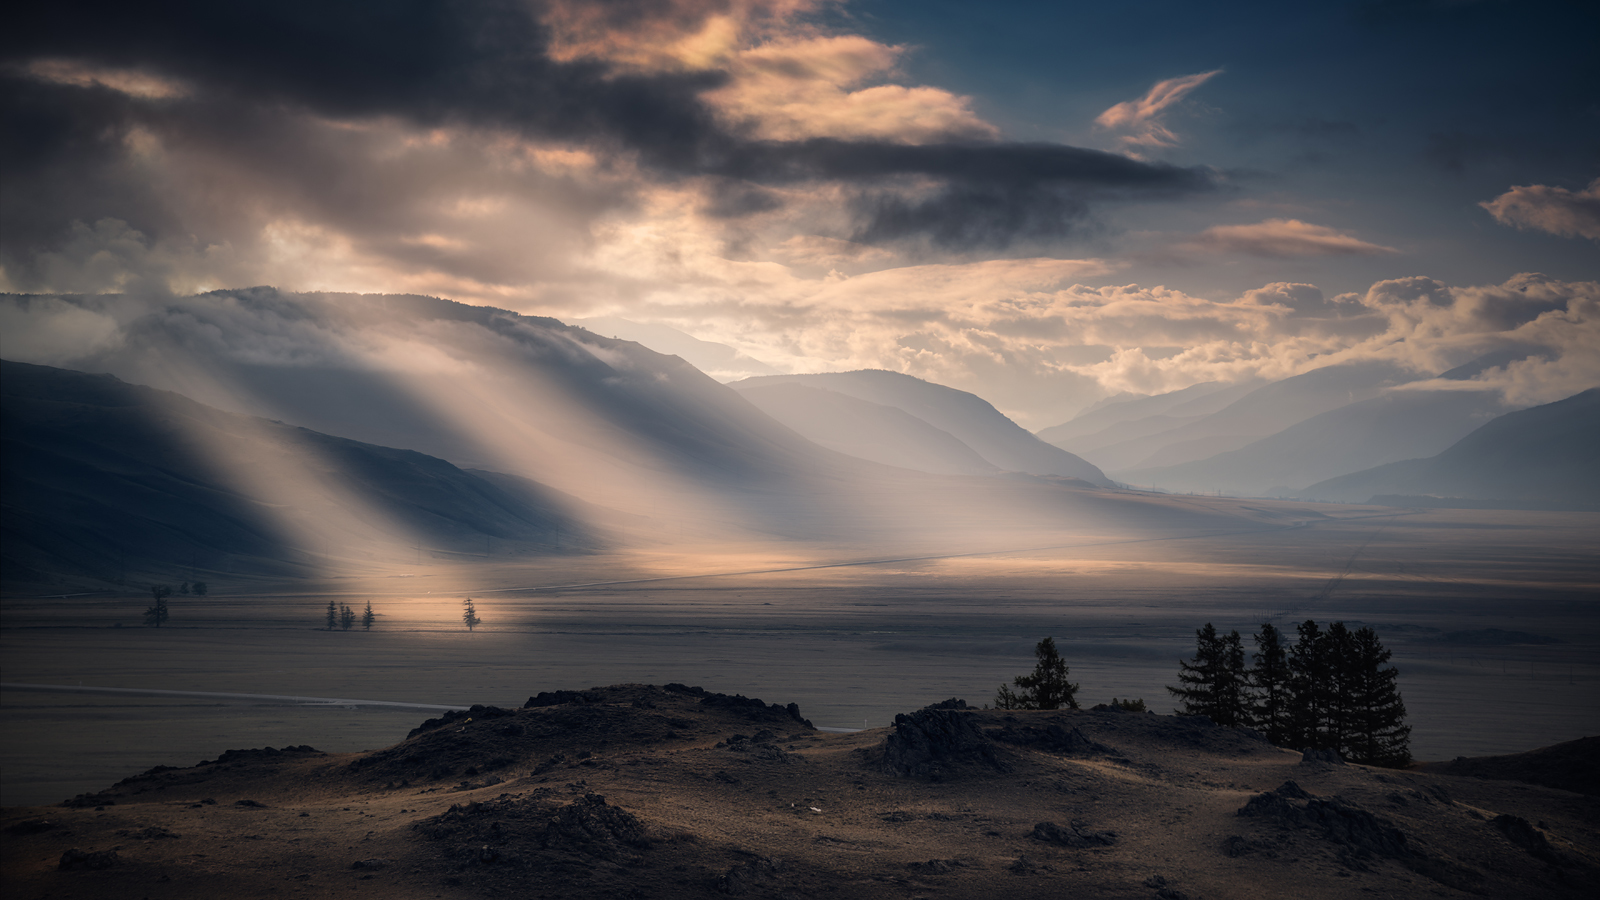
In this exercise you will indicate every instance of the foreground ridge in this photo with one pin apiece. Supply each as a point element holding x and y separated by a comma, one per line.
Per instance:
<point>675,791</point>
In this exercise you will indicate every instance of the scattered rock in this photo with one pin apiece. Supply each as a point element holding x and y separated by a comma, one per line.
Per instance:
<point>935,866</point>
<point>747,876</point>
<point>1358,832</point>
<point>1518,831</point>
<point>152,833</point>
<point>938,743</point>
<point>370,865</point>
<point>590,826</point>
<point>250,804</point>
<point>1051,738</point>
<point>1079,837</point>
<point>81,860</point>
<point>1310,757</point>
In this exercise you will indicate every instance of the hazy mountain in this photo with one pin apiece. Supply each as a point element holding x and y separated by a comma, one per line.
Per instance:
<point>1539,458</point>
<point>1162,411</point>
<point>1397,425</point>
<point>607,420</point>
<point>870,431</point>
<point>1263,411</point>
<point>720,361</point>
<point>104,478</point>
<point>967,417</point>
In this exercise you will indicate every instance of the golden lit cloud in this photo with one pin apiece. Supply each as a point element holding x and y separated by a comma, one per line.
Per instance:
<point>1140,122</point>
<point>1552,209</point>
<point>1282,238</point>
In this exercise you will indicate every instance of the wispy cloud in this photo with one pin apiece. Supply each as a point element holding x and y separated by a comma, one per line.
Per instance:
<point>1139,122</point>
<point>1553,209</point>
<point>1283,238</point>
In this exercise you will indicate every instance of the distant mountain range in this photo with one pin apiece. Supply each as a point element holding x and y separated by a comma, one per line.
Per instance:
<point>110,479</point>
<point>967,418</point>
<point>1544,457</point>
<point>1195,434</point>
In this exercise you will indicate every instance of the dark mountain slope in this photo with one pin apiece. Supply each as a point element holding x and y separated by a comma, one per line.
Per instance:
<point>107,479</point>
<point>1544,457</point>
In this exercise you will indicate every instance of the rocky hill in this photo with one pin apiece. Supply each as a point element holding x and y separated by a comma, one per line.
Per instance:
<point>674,791</point>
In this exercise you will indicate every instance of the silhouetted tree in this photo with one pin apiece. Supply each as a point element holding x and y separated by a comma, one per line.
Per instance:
<point>1310,674</point>
<point>1269,683</point>
<point>470,615</point>
<point>199,588</point>
<point>183,588</point>
<point>333,615</point>
<point>347,617</point>
<point>1377,733</point>
<point>157,613</point>
<point>1213,683</point>
<point>1046,688</point>
<point>368,617</point>
<point>1129,705</point>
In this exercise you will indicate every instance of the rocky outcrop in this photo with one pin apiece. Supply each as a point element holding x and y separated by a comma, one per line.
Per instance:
<point>937,744</point>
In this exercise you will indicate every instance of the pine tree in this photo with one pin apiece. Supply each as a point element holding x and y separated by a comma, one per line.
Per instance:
<point>1339,705</point>
<point>368,617</point>
<point>157,613</point>
<point>1308,687</point>
<point>1377,734</point>
<point>1213,683</point>
<point>470,615</point>
<point>1046,688</point>
<point>347,617</point>
<point>333,615</point>
<point>1269,681</point>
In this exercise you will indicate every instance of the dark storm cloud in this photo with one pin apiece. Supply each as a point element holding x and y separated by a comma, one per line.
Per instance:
<point>480,65</point>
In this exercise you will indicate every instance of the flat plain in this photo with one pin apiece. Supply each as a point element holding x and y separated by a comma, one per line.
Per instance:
<point>1493,617</point>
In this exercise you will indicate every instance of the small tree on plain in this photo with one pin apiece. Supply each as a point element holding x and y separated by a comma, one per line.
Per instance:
<point>368,617</point>
<point>1212,684</point>
<point>333,615</point>
<point>1046,688</point>
<point>199,588</point>
<point>157,613</point>
<point>469,615</point>
<point>347,617</point>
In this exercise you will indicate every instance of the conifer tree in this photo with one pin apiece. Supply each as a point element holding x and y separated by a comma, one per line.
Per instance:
<point>1339,708</point>
<point>1377,733</point>
<point>1308,686</point>
<point>470,615</point>
<point>347,617</point>
<point>1213,683</point>
<point>1046,688</point>
<point>333,615</point>
<point>1269,682</point>
<point>368,617</point>
<point>157,613</point>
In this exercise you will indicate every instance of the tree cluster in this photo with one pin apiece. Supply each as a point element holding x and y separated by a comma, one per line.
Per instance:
<point>1330,690</point>
<point>342,617</point>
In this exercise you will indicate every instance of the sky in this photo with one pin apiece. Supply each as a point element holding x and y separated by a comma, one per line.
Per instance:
<point>1043,203</point>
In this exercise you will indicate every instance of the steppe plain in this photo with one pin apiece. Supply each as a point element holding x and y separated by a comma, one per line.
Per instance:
<point>854,634</point>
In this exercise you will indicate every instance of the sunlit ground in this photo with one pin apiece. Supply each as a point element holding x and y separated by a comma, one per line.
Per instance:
<point>852,644</point>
